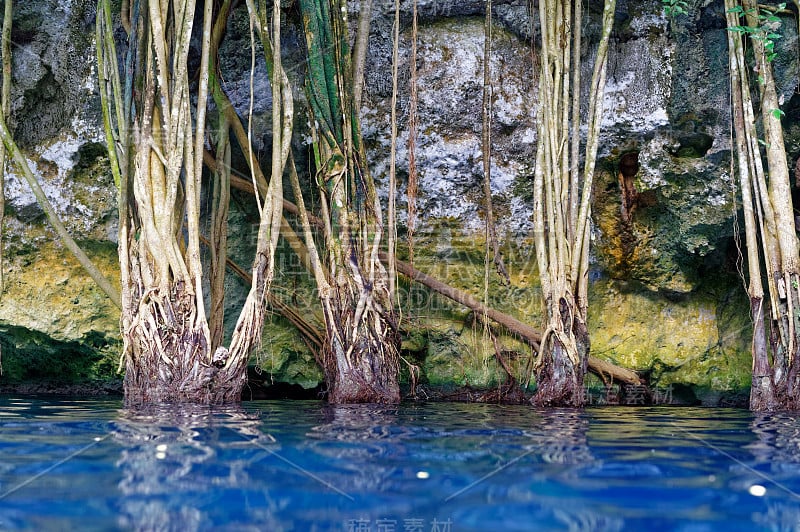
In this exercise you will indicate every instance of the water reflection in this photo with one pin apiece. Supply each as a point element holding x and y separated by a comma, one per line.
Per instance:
<point>776,467</point>
<point>520,469</point>
<point>778,439</point>
<point>356,423</point>
<point>560,441</point>
<point>176,459</point>
<point>362,441</point>
<point>561,437</point>
<point>478,467</point>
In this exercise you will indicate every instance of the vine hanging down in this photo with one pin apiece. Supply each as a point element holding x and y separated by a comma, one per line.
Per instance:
<point>561,228</point>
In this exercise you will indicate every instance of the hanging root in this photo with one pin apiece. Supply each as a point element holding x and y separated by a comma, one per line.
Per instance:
<point>413,372</point>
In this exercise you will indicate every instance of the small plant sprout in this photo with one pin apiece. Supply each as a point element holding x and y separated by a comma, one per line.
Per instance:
<point>768,24</point>
<point>675,7</point>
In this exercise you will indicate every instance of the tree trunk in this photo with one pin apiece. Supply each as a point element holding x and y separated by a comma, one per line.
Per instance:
<point>762,390</point>
<point>168,354</point>
<point>360,354</point>
<point>361,367</point>
<point>168,358</point>
<point>561,228</point>
<point>768,212</point>
<point>559,381</point>
<point>156,148</point>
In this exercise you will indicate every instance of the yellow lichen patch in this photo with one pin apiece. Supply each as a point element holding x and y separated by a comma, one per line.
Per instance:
<point>48,292</point>
<point>692,341</point>
<point>638,328</point>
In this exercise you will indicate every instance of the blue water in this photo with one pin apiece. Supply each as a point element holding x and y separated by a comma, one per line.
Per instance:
<point>93,465</point>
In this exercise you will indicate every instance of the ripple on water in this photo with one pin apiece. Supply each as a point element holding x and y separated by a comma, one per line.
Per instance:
<point>305,465</point>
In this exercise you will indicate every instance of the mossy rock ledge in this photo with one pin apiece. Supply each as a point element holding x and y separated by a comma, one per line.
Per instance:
<point>665,297</point>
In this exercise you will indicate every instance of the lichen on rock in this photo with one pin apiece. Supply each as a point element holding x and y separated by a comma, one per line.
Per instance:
<point>55,324</point>
<point>664,298</point>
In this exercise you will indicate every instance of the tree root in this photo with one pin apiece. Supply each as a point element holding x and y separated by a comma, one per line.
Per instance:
<point>605,370</point>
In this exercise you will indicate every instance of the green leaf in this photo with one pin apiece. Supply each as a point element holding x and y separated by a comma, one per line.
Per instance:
<point>675,7</point>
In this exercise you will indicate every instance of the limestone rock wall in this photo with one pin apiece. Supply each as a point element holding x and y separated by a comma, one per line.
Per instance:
<point>55,324</point>
<point>665,295</point>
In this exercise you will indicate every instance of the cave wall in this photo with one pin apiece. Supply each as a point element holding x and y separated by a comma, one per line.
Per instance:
<point>57,329</point>
<point>665,296</point>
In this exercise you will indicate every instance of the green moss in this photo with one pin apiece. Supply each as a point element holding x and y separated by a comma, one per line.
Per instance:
<point>458,358</point>
<point>30,356</point>
<point>285,357</point>
<point>701,339</point>
<point>414,341</point>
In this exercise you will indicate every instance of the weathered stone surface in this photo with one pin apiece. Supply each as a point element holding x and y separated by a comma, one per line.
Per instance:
<point>666,103</point>
<point>701,340</point>
<point>53,62</point>
<point>55,324</point>
<point>449,142</point>
<point>664,297</point>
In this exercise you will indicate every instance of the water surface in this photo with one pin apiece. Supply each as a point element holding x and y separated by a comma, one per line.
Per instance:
<point>305,465</point>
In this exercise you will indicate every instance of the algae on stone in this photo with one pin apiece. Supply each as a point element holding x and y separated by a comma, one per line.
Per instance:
<point>55,323</point>
<point>669,319</point>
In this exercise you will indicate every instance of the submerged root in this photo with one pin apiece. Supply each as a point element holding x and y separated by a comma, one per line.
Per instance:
<point>559,377</point>
<point>169,359</point>
<point>364,367</point>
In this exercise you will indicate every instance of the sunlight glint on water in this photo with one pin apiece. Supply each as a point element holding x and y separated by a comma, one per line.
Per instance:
<point>86,464</point>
